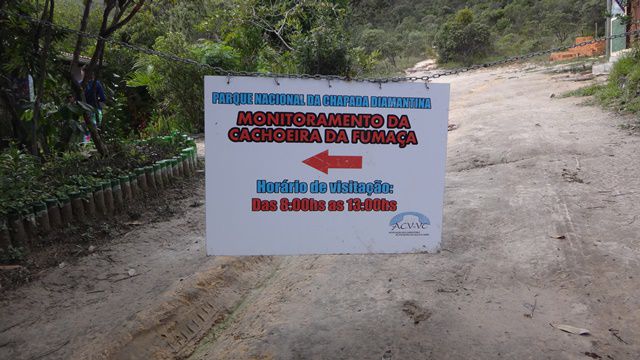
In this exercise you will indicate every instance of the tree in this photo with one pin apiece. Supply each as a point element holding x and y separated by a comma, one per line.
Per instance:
<point>324,50</point>
<point>16,55</point>
<point>311,32</point>
<point>463,39</point>
<point>47,15</point>
<point>179,87</point>
<point>560,25</point>
<point>116,14</point>
<point>383,42</point>
<point>27,55</point>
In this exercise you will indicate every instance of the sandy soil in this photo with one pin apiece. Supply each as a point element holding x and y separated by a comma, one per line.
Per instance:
<point>542,225</point>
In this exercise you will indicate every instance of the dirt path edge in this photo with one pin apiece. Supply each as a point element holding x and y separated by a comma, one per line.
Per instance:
<point>185,313</point>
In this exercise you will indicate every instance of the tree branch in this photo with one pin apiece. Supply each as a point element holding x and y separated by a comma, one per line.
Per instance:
<point>268,27</point>
<point>83,27</point>
<point>124,21</point>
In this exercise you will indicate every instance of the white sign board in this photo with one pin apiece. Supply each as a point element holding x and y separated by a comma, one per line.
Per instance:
<point>307,166</point>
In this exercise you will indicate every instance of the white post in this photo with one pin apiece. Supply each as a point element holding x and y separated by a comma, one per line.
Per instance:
<point>607,31</point>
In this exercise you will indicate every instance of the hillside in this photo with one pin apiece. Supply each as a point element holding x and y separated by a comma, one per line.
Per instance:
<point>405,31</point>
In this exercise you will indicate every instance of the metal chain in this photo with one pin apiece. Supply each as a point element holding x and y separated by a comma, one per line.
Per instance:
<point>216,70</point>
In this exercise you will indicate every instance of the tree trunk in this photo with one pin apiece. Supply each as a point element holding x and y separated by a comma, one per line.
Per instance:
<point>78,86</point>
<point>47,14</point>
<point>83,27</point>
<point>106,30</point>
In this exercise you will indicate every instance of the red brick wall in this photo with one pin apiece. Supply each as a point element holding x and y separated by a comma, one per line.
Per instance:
<point>586,51</point>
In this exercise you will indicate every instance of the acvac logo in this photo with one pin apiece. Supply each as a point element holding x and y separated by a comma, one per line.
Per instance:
<point>409,224</point>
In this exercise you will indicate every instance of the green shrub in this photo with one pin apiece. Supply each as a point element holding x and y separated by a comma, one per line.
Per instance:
<point>19,175</point>
<point>622,90</point>
<point>462,39</point>
<point>160,125</point>
<point>621,69</point>
<point>323,51</point>
<point>585,91</point>
<point>623,86</point>
<point>12,255</point>
<point>24,179</point>
<point>177,87</point>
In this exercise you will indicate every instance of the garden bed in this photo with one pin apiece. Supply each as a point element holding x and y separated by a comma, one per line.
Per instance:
<point>37,198</point>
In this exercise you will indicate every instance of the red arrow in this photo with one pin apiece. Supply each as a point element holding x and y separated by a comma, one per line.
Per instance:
<point>324,162</point>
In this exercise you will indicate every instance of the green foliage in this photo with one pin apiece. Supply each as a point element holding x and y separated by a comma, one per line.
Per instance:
<point>462,39</point>
<point>464,17</point>
<point>216,54</point>
<point>148,95</point>
<point>513,27</point>
<point>622,90</point>
<point>585,91</point>
<point>323,51</point>
<point>12,255</point>
<point>179,88</point>
<point>68,13</point>
<point>383,43</point>
<point>25,179</point>
<point>284,37</point>
<point>18,173</point>
<point>162,125</point>
<point>172,84</point>
<point>622,69</point>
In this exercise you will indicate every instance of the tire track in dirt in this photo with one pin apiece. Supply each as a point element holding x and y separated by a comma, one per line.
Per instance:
<point>172,328</point>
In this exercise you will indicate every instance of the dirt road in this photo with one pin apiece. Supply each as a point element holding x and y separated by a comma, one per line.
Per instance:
<point>542,226</point>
